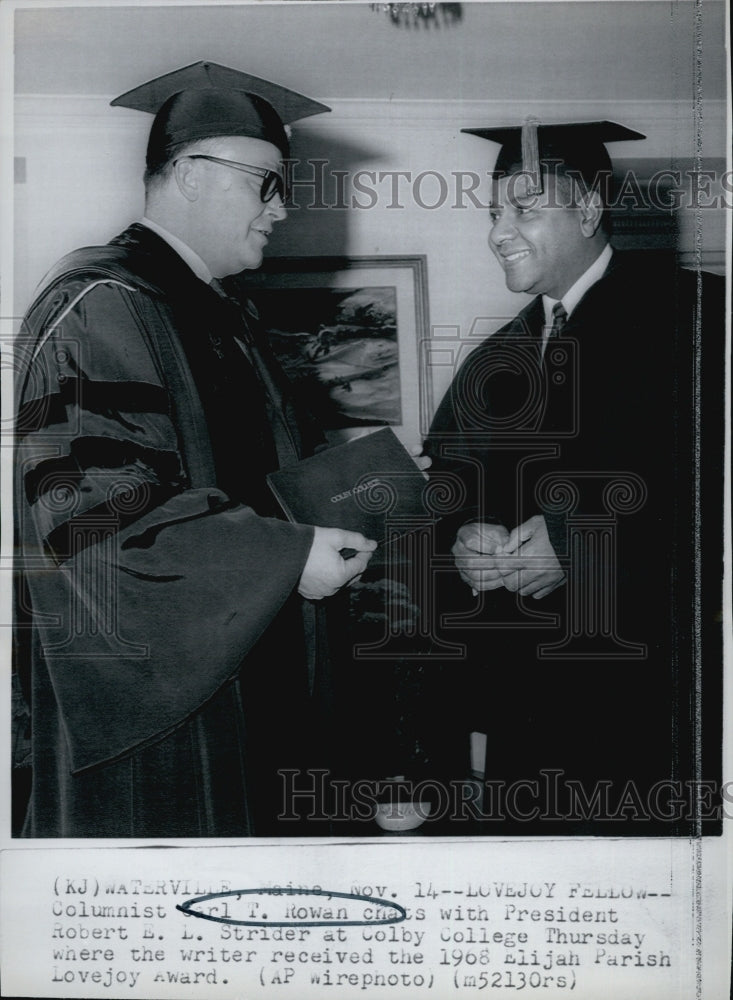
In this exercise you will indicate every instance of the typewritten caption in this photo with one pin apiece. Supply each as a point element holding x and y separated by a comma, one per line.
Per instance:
<point>403,919</point>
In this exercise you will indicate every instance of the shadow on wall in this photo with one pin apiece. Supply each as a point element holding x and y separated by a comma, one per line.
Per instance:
<point>318,217</point>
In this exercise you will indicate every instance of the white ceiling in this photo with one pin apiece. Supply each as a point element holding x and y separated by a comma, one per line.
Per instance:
<point>562,50</point>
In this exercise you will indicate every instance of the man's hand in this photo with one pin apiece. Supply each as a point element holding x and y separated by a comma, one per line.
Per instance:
<point>423,462</point>
<point>474,552</point>
<point>528,563</point>
<point>326,571</point>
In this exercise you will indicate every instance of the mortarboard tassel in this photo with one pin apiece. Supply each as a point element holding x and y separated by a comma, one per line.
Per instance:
<point>531,155</point>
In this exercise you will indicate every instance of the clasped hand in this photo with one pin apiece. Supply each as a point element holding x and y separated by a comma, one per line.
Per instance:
<point>488,557</point>
<point>326,571</point>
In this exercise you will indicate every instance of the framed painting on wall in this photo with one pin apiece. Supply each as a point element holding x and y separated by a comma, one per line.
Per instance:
<point>348,331</point>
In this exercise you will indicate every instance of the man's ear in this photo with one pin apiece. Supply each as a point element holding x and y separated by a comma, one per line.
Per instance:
<point>187,178</point>
<point>590,207</point>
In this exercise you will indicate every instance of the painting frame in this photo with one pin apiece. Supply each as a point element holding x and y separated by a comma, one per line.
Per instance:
<point>408,275</point>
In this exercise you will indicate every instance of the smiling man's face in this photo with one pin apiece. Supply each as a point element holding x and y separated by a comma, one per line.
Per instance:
<point>537,239</point>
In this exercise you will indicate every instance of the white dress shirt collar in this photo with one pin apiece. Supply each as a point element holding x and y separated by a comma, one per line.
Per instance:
<point>182,249</point>
<point>576,292</point>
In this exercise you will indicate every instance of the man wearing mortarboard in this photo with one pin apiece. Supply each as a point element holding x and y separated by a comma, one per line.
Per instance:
<point>593,588</point>
<point>177,654</point>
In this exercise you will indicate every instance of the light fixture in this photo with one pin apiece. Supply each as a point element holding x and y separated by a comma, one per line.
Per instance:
<point>411,15</point>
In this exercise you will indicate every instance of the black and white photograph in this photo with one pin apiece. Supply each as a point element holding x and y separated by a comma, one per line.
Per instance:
<point>453,278</point>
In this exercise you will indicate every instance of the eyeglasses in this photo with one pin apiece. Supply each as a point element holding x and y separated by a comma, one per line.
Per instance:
<point>272,182</point>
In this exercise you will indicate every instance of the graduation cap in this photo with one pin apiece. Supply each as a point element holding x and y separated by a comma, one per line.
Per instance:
<point>578,146</point>
<point>205,100</point>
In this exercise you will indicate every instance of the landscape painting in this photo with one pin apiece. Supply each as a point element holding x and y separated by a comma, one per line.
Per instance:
<point>339,345</point>
<point>353,335</point>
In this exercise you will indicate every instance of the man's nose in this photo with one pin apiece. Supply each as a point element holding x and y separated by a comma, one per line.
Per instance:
<point>276,209</point>
<point>501,232</point>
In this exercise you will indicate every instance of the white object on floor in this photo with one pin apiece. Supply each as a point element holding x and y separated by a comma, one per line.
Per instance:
<point>401,815</point>
<point>478,754</point>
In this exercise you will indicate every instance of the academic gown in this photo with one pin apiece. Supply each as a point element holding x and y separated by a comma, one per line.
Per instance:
<point>616,439</point>
<point>173,666</point>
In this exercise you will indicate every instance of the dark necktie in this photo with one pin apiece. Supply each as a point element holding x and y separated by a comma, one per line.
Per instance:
<point>243,341</point>
<point>559,318</point>
<point>288,450</point>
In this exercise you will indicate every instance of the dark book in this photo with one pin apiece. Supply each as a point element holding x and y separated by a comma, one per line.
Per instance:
<point>370,484</point>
